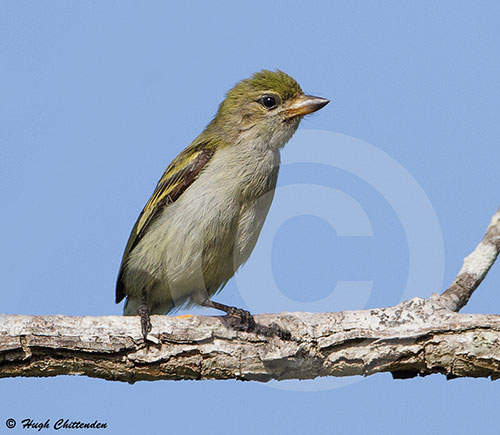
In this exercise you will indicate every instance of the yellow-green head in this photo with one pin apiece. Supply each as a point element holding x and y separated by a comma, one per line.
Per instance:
<point>269,104</point>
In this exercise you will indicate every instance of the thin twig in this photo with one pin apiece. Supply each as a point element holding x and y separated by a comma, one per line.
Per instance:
<point>475,267</point>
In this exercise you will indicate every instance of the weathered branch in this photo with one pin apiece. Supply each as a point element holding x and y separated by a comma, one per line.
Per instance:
<point>475,267</point>
<point>416,337</point>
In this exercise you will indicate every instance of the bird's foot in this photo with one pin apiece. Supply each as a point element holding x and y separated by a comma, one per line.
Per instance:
<point>236,318</point>
<point>239,319</point>
<point>143,312</point>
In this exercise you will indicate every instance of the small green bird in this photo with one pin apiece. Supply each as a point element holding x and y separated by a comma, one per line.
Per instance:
<point>207,211</point>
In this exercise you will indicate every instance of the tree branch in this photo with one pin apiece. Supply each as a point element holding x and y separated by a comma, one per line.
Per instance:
<point>416,337</point>
<point>475,267</point>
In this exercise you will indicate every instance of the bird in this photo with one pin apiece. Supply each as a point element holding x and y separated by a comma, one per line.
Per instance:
<point>204,218</point>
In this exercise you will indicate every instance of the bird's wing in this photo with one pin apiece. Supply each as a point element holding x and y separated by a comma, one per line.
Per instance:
<point>179,175</point>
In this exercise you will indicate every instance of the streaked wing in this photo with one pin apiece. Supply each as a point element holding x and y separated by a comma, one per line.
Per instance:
<point>179,175</point>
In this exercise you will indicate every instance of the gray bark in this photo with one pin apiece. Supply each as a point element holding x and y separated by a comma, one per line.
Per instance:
<point>416,337</point>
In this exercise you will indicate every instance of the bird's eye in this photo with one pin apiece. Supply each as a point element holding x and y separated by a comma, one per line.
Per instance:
<point>269,101</point>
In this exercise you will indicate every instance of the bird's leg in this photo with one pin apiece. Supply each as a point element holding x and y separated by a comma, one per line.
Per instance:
<point>238,318</point>
<point>143,311</point>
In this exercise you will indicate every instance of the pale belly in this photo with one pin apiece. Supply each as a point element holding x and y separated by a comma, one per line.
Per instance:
<point>199,241</point>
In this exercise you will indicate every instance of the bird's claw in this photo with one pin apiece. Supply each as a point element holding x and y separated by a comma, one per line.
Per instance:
<point>240,320</point>
<point>143,312</point>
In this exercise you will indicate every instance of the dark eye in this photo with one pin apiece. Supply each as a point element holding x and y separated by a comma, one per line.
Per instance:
<point>269,101</point>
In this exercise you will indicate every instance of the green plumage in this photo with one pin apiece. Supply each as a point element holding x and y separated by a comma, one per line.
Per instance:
<point>207,210</point>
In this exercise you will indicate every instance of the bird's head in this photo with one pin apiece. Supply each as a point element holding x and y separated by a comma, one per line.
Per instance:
<point>267,106</point>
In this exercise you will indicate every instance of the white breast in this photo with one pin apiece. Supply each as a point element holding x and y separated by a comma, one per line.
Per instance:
<point>199,241</point>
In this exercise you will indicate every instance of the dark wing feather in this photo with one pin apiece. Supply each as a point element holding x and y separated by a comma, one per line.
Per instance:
<point>179,175</point>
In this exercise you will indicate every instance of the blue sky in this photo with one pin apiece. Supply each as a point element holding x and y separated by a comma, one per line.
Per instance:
<point>98,97</point>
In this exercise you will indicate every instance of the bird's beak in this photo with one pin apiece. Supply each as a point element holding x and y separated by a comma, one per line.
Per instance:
<point>303,105</point>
